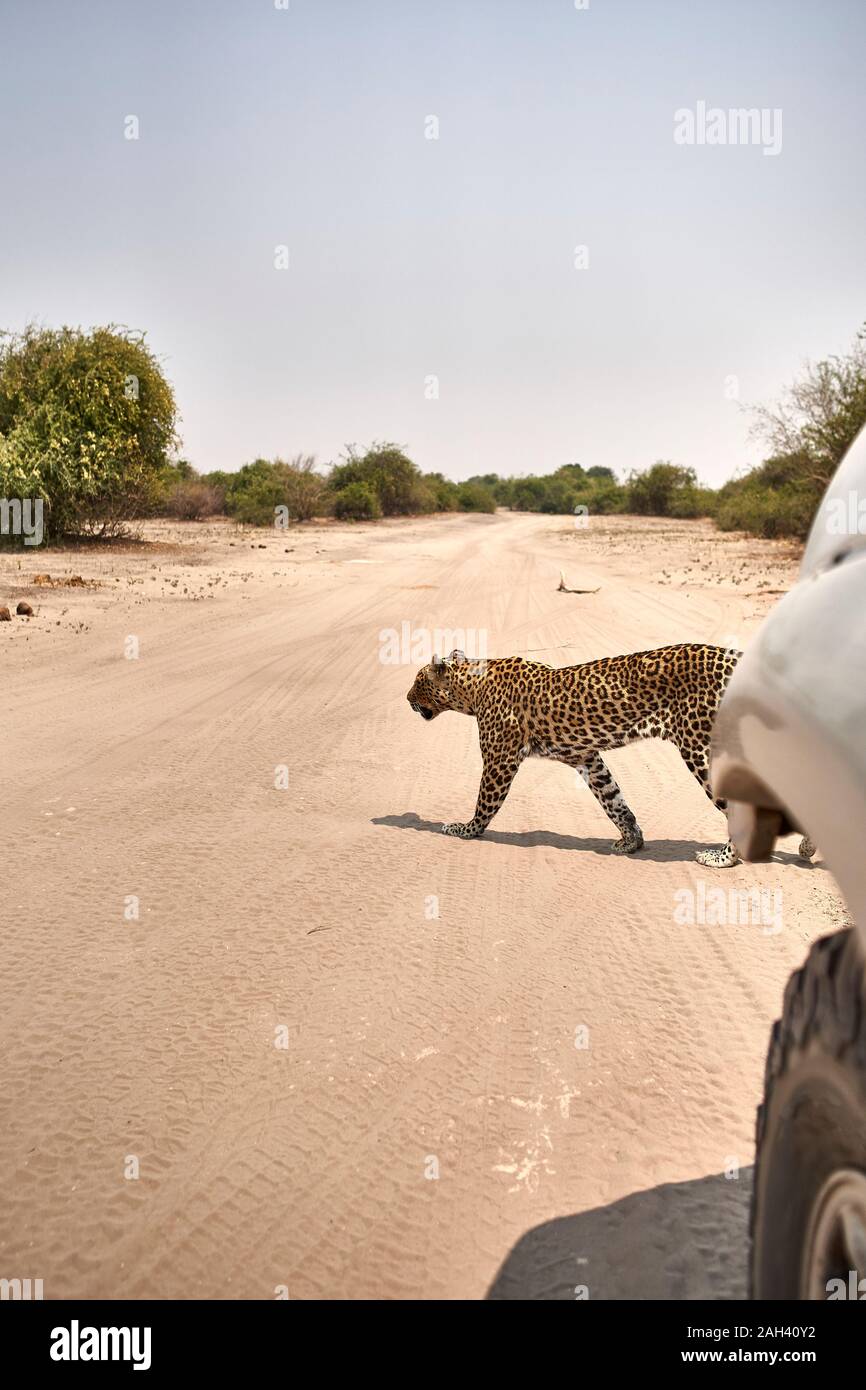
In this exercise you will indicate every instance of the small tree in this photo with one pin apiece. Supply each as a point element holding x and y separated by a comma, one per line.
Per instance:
<point>808,431</point>
<point>819,415</point>
<point>87,422</point>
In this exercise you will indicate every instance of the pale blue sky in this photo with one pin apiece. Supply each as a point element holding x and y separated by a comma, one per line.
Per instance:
<point>412,257</point>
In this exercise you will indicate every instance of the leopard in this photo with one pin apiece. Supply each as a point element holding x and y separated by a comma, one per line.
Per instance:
<point>573,714</point>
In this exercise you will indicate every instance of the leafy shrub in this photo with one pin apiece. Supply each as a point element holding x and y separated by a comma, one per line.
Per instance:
<point>600,496</point>
<point>385,470</point>
<point>785,510</point>
<point>357,502</point>
<point>809,431</point>
<point>569,487</point>
<point>527,494</point>
<point>693,501</point>
<point>87,421</point>
<point>818,416</point>
<point>659,489</point>
<point>254,494</point>
<point>473,497</point>
<point>558,495</point>
<point>257,493</point>
<point>778,498</point>
<point>500,488</point>
<point>443,492</point>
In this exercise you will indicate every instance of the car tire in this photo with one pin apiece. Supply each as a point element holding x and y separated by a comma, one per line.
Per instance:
<point>808,1217</point>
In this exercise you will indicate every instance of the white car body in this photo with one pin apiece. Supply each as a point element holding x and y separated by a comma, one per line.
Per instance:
<point>789,744</point>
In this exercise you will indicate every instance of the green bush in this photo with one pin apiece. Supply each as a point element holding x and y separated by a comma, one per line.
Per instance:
<point>357,502</point>
<point>693,501</point>
<point>570,487</point>
<point>771,512</point>
<point>264,491</point>
<point>500,488</point>
<point>778,498</point>
<point>443,492</point>
<point>87,422</point>
<point>177,471</point>
<point>256,495</point>
<point>473,497</point>
<point>808,431</point>
<point>559,495</point>
<point>527,494</point>
<point>659,489</point>
<point>386,471</point>
<point>600,496</point>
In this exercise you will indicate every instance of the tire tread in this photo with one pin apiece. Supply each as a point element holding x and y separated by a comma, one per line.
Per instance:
<point>823,1010</point>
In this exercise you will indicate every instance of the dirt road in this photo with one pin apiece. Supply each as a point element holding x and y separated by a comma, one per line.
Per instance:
<point>265,1031</point>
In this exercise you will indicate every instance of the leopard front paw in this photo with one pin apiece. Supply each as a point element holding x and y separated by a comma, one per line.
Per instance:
<point>463,832</point>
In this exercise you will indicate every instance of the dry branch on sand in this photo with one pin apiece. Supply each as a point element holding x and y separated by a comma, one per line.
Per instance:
<point>564,589</point>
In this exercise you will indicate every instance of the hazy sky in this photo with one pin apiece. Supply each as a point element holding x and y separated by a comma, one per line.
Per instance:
<point>453,257</point>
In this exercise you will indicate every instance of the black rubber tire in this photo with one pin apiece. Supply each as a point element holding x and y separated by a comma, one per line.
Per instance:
<point>812,1122</point>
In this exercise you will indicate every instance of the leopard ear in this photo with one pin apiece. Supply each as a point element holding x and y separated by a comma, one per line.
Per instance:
<point>447,663</point>
<point>442,665</point>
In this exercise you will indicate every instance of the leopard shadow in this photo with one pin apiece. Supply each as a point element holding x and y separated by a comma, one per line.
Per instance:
<point>659,851</point>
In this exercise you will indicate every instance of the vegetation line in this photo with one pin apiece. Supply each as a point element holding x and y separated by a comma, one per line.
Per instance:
<point>88,428</point>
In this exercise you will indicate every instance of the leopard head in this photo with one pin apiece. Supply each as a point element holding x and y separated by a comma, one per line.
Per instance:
<point>442,685</point>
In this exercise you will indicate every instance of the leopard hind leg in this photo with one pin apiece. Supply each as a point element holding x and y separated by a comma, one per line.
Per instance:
<point>601,783</point>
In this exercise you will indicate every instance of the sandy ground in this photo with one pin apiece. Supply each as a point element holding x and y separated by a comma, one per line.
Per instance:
<point>260,1039</point>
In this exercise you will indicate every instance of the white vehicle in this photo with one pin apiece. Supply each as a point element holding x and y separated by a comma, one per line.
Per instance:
<point>789,753</point>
